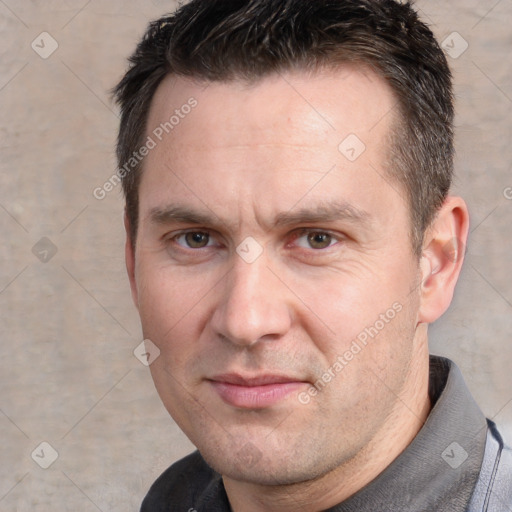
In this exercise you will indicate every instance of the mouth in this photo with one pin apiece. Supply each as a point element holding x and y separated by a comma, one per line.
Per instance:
<point>255,392</point>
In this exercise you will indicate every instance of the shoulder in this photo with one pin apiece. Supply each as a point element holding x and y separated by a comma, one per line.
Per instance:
<point>493,491</point>
<point>502,479</point>
<point>182,484</point>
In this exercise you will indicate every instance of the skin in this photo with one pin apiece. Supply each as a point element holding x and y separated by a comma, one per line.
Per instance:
<point>262,161</point>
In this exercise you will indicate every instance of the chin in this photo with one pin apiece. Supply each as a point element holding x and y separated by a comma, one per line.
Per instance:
<point>267,468</point>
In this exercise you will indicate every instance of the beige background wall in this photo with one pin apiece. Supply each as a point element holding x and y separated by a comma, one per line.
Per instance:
<point>68,375</point>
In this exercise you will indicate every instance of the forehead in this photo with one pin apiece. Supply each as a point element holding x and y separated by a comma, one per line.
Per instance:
<point>314,106</point>
<point>275,138</point>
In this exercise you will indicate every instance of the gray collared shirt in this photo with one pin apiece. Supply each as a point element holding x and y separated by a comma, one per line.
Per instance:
<point>438,471</point>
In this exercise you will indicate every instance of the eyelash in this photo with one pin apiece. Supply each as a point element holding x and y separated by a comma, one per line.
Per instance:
<point>185,233</point>
<point>296,235</point>
<point>308,231</point>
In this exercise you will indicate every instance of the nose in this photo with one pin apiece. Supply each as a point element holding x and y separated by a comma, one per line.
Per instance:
<point>254,304</point>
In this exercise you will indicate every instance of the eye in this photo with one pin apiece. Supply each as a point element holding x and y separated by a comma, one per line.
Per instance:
<point>193,239</point>
<point>315,240</point>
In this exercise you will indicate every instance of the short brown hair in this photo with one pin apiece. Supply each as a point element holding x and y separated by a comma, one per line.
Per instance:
<point>223,40</point>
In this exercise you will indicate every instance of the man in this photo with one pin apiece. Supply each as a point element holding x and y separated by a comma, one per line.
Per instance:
<point>290,236</point>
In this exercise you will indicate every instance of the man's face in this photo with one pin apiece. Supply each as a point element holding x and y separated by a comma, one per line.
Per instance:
<point>266,252</point>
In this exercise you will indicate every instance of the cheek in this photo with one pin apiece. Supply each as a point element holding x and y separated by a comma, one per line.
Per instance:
<point>173,308</point>
<point>363,305</point>
<point>345,306</point>
<point>167,291</point>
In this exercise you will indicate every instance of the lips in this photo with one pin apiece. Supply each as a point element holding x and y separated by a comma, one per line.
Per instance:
<point>254,392</point>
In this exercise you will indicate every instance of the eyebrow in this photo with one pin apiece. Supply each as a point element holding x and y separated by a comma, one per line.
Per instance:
<point>327,212</point>
<point>175,213</point>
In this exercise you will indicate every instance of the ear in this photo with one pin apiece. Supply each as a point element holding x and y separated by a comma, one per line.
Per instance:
<point>129,252</point>
<point>444,246</point>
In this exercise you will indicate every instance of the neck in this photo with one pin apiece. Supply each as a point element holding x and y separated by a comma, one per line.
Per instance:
<point>408,416</point>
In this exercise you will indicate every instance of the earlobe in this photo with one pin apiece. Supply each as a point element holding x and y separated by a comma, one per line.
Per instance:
<point>442,257</point>
<point>129,251</point>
